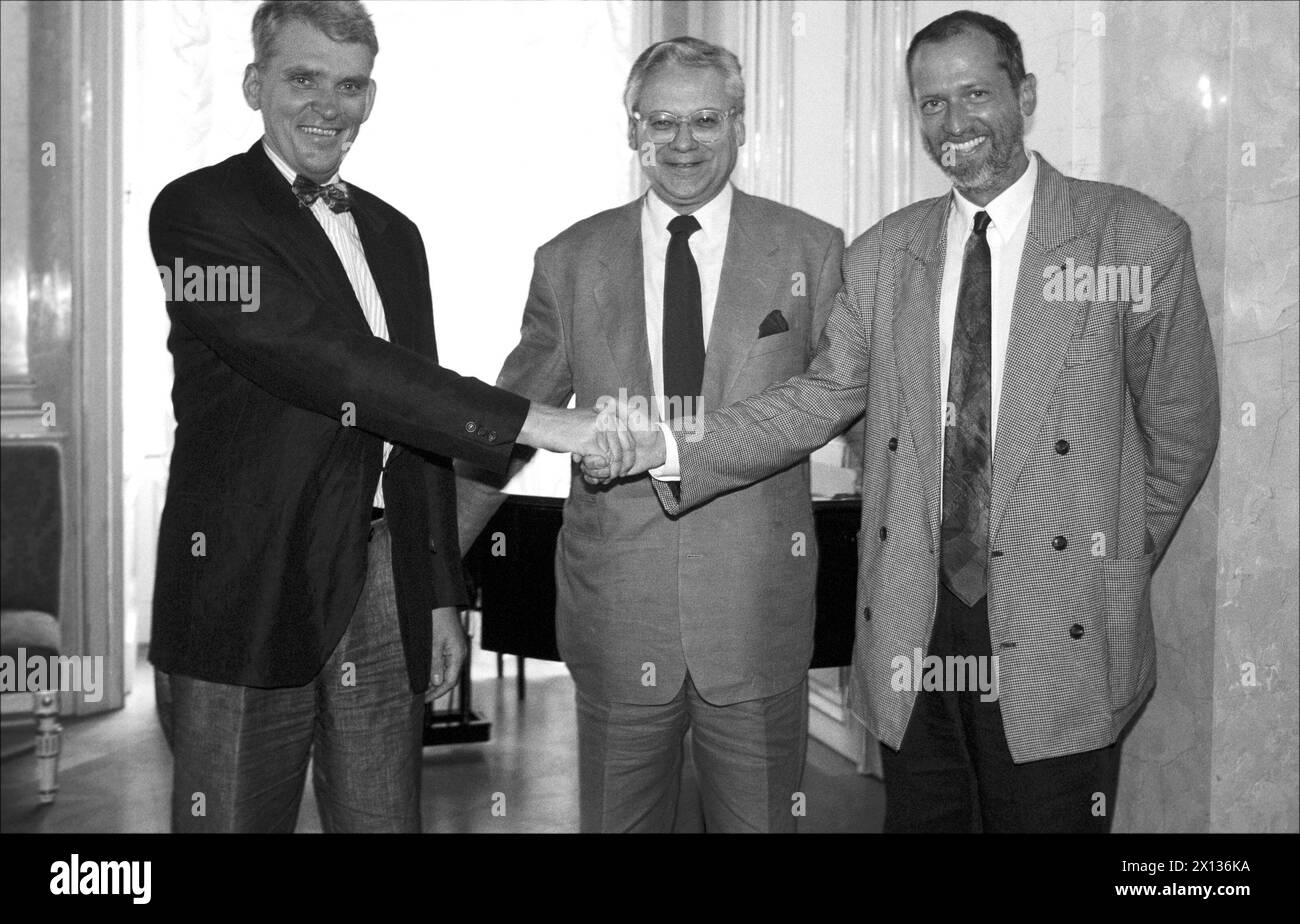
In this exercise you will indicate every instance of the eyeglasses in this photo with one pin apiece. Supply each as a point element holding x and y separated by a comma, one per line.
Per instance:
<point>707,125</point>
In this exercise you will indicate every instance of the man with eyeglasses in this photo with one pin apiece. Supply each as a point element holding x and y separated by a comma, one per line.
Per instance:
<point>1033,436</point>
<point>693,296</point>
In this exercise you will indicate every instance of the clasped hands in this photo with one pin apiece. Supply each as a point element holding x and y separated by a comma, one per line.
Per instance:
<point>623,441</point>
<point>610,441</point>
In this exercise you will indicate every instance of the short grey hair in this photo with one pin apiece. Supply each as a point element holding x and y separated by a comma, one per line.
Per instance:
<point>689,52</point>
<point>341,20</point>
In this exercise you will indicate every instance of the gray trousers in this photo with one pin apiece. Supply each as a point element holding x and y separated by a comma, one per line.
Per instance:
<point>241,753</point>
<point>748,757</point>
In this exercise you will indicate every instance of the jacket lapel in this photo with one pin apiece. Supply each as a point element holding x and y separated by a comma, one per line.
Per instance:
<point>306,247</point>
<point>1040,334</point>
<point>309,250</point>
<point>752,271</point>
<point>916,344</point>
<point>382,255</point>
<point>619,292</point>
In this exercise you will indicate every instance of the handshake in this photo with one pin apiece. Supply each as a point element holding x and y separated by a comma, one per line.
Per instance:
<point>610,441</point>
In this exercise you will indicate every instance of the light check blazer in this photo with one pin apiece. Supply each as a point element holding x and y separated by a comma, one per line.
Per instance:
<point>1109,421</point>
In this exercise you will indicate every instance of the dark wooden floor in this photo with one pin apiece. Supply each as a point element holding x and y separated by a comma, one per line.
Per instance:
<point>115,771</point>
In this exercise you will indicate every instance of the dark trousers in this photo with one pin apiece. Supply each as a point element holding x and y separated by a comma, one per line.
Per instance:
<point>241,753</point>
<point>954,773</point>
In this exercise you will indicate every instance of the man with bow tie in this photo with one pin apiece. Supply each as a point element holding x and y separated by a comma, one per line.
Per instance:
<point>695,294</point>
<point>305,607</point>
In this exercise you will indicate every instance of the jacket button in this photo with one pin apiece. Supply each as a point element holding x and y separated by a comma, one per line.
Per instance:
<point>893,444</point>
<point>490,436</point>
<point>884,533</point>
<point>866,612</point>
<point>1059,543</point>
<point>1076,631</point>
<point>1062,447</point>
<point>471,426</point>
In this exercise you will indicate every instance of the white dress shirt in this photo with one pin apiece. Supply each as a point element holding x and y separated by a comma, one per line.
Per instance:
<point>341,229</point>
<point>1008,223</point>
<point>708,245</point>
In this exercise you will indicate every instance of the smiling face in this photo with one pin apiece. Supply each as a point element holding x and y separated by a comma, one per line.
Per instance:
<point>972,120</point>
<point>313,93</point>
<point>683,172</point>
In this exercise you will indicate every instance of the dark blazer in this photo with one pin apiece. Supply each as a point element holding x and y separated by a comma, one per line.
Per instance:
<point>725,592</point>
<point>281,414</point>
<point>1108,423</point>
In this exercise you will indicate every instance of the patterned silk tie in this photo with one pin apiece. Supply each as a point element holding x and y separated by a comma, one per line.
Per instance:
<point>683,321</point>
<point>336,195</point>
<point>968,418</point>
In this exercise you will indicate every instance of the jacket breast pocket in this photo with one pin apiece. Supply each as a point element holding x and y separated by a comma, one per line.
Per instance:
<point>785,340</point>
<point>1130,636</point>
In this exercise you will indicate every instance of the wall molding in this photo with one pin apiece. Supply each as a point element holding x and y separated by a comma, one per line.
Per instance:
<point>878,117</point>
<point>97,222</point>
<point>765,46</point>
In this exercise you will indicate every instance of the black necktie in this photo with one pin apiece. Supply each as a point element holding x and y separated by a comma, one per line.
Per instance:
<point>683,322</point>
<point>336,195</point>
<point>968,418</point>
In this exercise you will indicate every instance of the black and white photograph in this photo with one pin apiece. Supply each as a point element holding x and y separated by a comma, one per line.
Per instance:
<point>817,417</point>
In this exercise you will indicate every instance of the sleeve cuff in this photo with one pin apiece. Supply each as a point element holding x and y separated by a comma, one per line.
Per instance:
<point>671,469</point>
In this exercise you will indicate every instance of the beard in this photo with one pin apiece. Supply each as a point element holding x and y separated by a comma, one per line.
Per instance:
<point>978,176</point>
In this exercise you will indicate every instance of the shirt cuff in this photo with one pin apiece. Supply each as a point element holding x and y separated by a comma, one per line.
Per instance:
<point>671,469</point>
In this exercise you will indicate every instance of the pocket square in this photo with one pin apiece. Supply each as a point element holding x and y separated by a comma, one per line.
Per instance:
<point>774,323</point>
